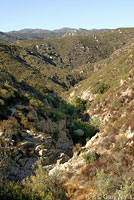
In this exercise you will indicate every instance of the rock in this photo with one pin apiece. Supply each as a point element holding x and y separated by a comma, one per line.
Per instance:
<point>22,162</point>
<point>79,132</point>
<point>18,156</point>
<point>23,134</point>
<point>50,127</point>
<point>22,107</point>
<point>47,142</point>
<point>43,152</point>
<point>47,126</point>
<point>62,129</point>
<point>130,135</point>
<point>1,133</point>
<point>46,102</point>
<point>14,171</point>
<point>38,148</point>
<point>28,131</point>
<point>47,160</point>
<point>63,143</point>
<point>59,169</point>
<point>27,148</point>
<point>30,162</point>
<point>33,113</point>
<point>48,167</point>
<point>85,117</point>
<point>62,158</point>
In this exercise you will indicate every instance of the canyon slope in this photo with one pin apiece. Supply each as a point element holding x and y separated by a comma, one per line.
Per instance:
<point>68,103</point>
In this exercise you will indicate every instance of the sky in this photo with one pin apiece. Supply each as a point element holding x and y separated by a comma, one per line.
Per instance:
<point>55,14</point>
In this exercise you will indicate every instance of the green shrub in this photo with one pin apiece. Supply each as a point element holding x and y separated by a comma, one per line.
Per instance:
<point>80,104</point>
<point>38,187</point>
<point>55,116</point>
<point>101,88</point>
<point>106,183</point>
<point>10,127</point>
<point>89,129</point>
<point>91,157</point>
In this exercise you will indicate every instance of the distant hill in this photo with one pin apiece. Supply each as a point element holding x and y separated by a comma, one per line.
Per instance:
<point>4,37</point>
<point>27,34</point>
<point>30,31</point>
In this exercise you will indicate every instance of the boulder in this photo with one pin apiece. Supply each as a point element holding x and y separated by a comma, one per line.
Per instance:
<point>64,143</point>
<point>79,132</point>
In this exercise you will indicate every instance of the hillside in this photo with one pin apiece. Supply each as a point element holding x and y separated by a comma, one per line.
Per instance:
<point>105,165</point>
<point>66,106</point>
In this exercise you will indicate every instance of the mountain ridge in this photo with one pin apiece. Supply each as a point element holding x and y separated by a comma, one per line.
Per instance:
<point>26,34</point>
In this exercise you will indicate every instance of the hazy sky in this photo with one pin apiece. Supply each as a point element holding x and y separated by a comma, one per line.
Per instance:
<point>54,14</point>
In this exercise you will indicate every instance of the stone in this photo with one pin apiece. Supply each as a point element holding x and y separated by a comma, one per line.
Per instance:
<point>62,158</point>
<point>50,127</point>
<point>27,148</point>
<point>130,135</point>
<point>34,114</point>
<point>18,156</point>
<point>29,163</point>
<point>23,134</point>
<point>22,162</point>
<point>79,132</point>
<point>1,133</point>
<point>85,117</point>
<point>63,143</point>
<point>48,167</point>
<point>62,129</point>
<point>45,161</point>
<point>43,152</point>
<point>46,102</point>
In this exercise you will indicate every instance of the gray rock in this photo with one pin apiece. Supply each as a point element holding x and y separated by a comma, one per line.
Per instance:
<point>34,114</point>
<point>23,134</point>
<point>79,132</point>
<point>22,162</point>
<point>85,117</point>
<point>46,102</point>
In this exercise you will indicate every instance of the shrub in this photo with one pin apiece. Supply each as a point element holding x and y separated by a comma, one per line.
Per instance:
<point>91,157</point>
<point>127,189</point>
<point>55,115</point>
<point>80,104</point>
<point>101,88</point>
<point>38,187</point>
<point>89,129</point>
<point>106,183</point>
<point>10,126</point>
<point>77,148</point>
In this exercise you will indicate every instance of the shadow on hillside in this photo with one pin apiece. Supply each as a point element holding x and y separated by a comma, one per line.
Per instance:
<point>46,59</point>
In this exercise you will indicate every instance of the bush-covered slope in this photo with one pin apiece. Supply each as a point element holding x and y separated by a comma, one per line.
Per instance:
<point>105,167</point>
<point>79,50</point>
<point>37,122</point>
